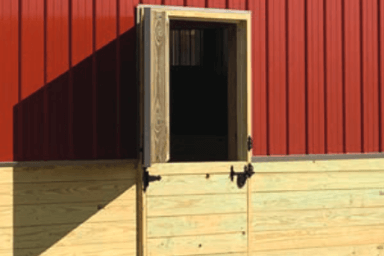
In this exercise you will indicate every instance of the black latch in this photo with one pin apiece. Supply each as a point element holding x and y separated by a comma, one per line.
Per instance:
<point>242,176</point>
<point>250,143</point>
<point>148,178</point>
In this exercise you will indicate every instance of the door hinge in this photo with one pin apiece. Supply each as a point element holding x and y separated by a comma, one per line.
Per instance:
<point>250,143</point>
<point>148,178</point>
<point>242,176</point>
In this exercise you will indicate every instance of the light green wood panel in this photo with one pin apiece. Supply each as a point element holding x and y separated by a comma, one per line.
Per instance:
<point>115,249</point>
<point>300,219</point>
<point>317,237</point>
<point>47,214</point>
<point>68,235</point>
<point>196,225</point>
<point>354,250</point>
<point>196,204</point>
<point>204,244</point>
<point>194,185</point>
<point>196,168</point>
<point>317,181</point>
<point>326,199</point>
<point>320,165</point>
<point>64,192</point>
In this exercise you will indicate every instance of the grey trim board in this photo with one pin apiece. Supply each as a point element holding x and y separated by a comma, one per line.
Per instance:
<point>183,8</point>
<point>313,157</point>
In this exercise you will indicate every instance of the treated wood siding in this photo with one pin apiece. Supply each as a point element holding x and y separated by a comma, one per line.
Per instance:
<point>87,209</point>
<point>333,207</point>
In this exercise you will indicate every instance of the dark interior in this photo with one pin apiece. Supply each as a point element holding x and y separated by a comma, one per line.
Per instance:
<point>198,92</point>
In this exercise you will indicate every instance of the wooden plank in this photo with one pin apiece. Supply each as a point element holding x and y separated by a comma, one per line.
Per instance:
<point>194,9</point>
<point>115,249</point>
<point>160,130</point>
<point>320,237</point>
<point>207,16</point>
<point>68,235</point>
<point>6,175</point>
<point>47,214</point>
<point>225,254</point>
<point>242,92</point>
<point>67,192</point>
<point>196,168</point>
<point>232,93</point>
<point>361,250</point>
<point>304,219</point>
<point>317,181</point>
<point>195,204</point>
<point>141,218</point>
<point>196,225</point>
<point>55,173</point>
<point>205,244</point>
<point>305,200</point>
<point>321,165</point>
<point>187,185</point>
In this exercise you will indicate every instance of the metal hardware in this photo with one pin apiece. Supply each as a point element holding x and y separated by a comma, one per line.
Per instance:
<point>148,178</point>
<point>250,143</point>
<point>242,176</point>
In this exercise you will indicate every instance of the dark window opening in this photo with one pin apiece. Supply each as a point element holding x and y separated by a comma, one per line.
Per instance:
<point>198,91</point>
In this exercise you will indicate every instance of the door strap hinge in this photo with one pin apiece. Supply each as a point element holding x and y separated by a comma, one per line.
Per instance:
<point>148,178</point>
<point>250,143</point>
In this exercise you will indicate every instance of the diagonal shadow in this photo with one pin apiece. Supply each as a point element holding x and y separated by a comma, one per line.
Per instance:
<point>58,206</point>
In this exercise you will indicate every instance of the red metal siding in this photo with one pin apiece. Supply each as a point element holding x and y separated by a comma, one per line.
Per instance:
<point>68,76</point>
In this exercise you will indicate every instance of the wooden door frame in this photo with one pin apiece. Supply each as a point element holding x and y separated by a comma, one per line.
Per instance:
<point>242,80</point>
<point>239,61</point>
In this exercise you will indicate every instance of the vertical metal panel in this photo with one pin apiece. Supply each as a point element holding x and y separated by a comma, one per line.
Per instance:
<point>344,76</point>
<point>8,74</point>
<point>334,79</point>
<point>196,3</point>
<point>32,46</point>
<point>370,76</point>
<point>353,91</point>
<point>315,77</point>
<point>259,56</point>
<point>381,73</point>
<point>296,77</point>
<point>217,3</point>
<point>277,77</point>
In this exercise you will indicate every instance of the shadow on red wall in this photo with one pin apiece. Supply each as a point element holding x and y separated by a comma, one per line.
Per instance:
<point>89,112</point>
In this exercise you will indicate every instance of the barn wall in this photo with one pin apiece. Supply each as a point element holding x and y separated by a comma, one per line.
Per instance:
<point>76,209</point>
<point>313,208</point>
<point>68,72</point>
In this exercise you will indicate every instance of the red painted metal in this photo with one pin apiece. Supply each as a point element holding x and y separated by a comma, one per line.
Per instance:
<point>68,76</point>
<point>334,77</point>
<point>296,78</point>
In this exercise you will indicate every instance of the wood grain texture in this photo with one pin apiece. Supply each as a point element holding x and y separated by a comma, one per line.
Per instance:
<point>196,168</point>
<point>361,250</point>
<point>160,130</point>
<point>62,192</point>
<point>319,237</point>
<point>305,200</point>
<point>116,249</point>
<point>196,225</point>
<point>305,219</point>
<point>232,93</point>
<point>317,181</point>
<point>68,235</point>
<point>242,92</point>
<point>48,214</point>
<point>196,204</point>
<point>321,165</point>
<point>194,185</point>
<point>187,245</point>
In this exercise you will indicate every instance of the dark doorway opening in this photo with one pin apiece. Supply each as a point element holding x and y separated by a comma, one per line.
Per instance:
<point>198,91</point>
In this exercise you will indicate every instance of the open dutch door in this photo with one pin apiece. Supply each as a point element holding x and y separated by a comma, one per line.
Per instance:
<point>195,80</point>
